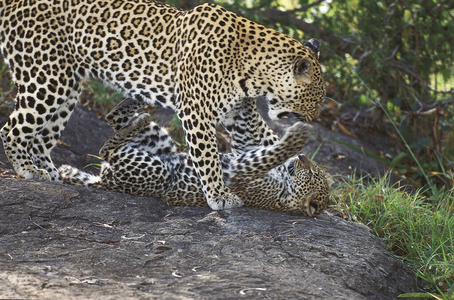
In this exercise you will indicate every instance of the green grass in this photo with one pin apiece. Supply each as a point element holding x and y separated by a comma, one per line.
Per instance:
<point>416,227</point>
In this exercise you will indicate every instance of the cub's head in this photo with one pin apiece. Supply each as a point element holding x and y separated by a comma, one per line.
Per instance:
<point>297,86</point>
<point>308,191</point>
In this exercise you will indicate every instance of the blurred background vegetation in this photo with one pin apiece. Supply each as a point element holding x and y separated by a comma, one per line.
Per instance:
<point>389,65</point>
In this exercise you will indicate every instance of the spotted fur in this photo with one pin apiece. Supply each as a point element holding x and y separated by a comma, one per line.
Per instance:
<point>141,159</point>
<point>202,62</point>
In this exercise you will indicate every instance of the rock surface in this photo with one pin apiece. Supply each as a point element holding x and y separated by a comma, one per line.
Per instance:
<point>79,243</point>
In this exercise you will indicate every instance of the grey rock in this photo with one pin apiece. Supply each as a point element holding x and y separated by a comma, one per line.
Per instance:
<point>70,242</point>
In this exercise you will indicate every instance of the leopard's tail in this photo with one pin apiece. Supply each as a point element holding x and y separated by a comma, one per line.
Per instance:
<point>74,176</point>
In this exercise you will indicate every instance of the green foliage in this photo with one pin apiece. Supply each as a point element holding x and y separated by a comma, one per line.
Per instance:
<point>418,228</point>
<point>177,133</point>
<point>102,96</point>
<point>404,65</point>
<point>3,71</point>
<point>6,85</point>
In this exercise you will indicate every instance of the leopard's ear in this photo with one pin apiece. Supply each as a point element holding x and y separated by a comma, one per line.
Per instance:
<point>305,163</point>
<point>303,70</point>
<point>314,46</point>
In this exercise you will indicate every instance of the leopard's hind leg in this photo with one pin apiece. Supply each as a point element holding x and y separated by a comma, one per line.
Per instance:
<point>249,130</point>
<point>122,114</point>
<point>128,122</point>
<point>34,127</point>
<point>123,136</point>
<point>113,151</point>
<point>141,134</point>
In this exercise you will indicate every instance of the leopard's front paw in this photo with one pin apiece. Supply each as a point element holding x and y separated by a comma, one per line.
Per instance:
<point>35,174</point>
<point>225,201</point>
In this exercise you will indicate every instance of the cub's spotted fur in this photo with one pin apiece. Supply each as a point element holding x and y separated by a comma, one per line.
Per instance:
<point>203,63</point>
<point>141,159</point>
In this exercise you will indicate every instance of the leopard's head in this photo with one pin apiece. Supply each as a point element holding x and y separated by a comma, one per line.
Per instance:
<point>298,86</point>
<point>308,191</point>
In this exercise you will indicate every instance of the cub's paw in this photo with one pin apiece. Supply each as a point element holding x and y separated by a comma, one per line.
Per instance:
<point>226,201</point>
<point>142,120</point>
<point>297,134</point>
<point>136,124</point>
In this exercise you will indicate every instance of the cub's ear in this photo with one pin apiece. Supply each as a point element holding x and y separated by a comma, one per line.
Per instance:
<point>306,163</point>
<point>314,46</point>
<point>303,70</point>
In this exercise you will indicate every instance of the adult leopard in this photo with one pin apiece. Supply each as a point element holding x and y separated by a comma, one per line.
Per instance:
<point>141,159</point>
<point>203,62</point>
